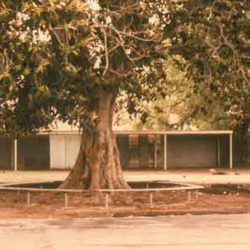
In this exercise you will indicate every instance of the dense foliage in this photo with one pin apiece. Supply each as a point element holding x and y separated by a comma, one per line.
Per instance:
<point>214,38</point>
<point>55,57</point>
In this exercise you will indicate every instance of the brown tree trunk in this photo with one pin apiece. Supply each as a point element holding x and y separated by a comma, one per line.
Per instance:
<point>98,162</point>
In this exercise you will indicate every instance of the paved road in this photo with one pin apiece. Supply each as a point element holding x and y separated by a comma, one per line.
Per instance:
<point>230,232</point>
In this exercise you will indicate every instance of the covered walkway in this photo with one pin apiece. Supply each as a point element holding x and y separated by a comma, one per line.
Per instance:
<point>138,150</point>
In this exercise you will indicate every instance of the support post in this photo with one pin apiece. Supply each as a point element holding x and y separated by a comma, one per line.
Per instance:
<point>151,202</point>
<point>196,194</point>
<point>66,200</point>
<point>15,155</point>
<point>189,196</point>
<point>106,201</point>
<point>28,199</point>
<point>218,151</point>
<point>155,152</point>
<point>165,149</point>
<point>231,150</point>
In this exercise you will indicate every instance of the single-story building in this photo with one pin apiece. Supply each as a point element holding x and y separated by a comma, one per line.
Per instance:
<point>138,150</point>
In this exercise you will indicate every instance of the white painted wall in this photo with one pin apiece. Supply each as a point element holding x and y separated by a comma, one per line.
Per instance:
<point>63,150</point>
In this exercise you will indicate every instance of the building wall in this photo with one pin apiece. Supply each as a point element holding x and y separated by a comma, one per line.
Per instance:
<point>59,151</point>
<point>191,151</point>
<point>63,150</point>
<point>136,151</point>
<point>141,151</point>
<point>224,150</point>
<point>6,153</point>
<point>248,150</point>
<point>33,152</point>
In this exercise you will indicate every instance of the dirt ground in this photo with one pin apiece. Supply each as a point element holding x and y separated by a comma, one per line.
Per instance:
<point>227,191</point>
<point>224,199</point>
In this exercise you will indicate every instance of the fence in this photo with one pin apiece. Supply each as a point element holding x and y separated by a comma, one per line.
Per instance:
<point>102,197</point>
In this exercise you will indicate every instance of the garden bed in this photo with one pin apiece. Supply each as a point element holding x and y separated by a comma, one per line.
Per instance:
<point>211,199</point>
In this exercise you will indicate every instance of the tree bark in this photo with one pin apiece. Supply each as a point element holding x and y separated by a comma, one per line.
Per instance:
<point>98,162</point>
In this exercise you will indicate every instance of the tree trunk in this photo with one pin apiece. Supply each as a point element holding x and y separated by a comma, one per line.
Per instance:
<point>98,162</point>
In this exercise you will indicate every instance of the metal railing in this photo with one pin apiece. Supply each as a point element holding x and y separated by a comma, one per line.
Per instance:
<point>189,188</point>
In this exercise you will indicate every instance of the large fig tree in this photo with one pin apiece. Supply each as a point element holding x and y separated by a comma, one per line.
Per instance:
<point>68,60</point>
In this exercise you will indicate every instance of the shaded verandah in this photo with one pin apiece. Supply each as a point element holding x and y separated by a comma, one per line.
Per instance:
<point>138,150</point>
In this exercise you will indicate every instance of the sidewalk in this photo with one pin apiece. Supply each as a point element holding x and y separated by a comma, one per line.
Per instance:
<point>196,176</point>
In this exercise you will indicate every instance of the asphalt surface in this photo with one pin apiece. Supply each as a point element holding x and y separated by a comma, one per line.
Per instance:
<point>230,232</point>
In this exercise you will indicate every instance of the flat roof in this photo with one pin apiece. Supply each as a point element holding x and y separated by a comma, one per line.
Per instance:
<point>132,132</point>
<point>194,132</point>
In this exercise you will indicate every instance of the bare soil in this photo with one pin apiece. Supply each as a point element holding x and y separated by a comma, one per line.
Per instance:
<point>224,199</point>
